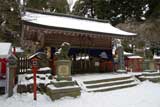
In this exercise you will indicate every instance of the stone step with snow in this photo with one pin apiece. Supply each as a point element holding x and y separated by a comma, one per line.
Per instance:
<point>110,83</point>
<point>114,87</point>
<point>107,79</point>
<point>151,76</point>
<point>151,73</point>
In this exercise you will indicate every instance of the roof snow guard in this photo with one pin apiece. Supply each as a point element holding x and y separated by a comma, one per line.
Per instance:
<point>72,22</point>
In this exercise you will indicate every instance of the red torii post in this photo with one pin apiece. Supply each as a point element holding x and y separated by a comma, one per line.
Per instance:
<point>34,70</point>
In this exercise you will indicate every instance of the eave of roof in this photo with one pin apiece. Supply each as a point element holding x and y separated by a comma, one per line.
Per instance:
<point>88,25</point>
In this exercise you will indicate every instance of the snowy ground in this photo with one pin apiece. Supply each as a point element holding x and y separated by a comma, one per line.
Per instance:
<point>146,94</point>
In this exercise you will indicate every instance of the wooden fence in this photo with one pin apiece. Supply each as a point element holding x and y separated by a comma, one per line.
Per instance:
<point>23,65</point>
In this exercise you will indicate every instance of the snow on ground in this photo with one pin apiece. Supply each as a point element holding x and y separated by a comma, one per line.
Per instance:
<point>144,95</point>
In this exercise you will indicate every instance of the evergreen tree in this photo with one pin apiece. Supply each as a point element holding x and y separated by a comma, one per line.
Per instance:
<point>116,11</point>
<point>36,4</point>
<point>59,6</point>
<point>9,21</point>
<point>84,8</point>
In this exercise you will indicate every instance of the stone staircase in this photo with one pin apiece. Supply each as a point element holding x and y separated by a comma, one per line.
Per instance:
<point>110,84</point>
<point>151,76</point>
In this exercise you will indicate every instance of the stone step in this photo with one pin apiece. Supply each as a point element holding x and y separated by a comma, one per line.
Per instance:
<point>150,78</point>
<point>151,73</point>
<point>115,87</point>
<point>110,83</point>
<point>106,80</point>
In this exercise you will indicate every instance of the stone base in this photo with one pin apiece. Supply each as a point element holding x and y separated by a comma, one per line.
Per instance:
<point>55,94</point>
<point>59,89</point>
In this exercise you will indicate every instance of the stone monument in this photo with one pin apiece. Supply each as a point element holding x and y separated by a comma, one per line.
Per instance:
<point>63,63</point>
<point>64,85</point>
<point>120,52</point>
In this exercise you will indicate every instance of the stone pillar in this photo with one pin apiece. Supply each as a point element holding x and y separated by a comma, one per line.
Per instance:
<point>121,60</point>
<point>10,81</point>
<point>10,74</point>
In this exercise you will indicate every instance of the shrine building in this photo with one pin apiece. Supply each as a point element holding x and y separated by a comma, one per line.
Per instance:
<point>90,39</point>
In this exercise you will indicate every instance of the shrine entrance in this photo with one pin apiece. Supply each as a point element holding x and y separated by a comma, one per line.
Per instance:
<point>86,60</point>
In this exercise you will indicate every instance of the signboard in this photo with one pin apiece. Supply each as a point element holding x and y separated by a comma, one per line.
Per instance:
<point>63,70</point>
<point>34,63</point>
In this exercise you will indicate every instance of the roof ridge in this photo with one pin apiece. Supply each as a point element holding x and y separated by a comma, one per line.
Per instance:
<point>66,15</point>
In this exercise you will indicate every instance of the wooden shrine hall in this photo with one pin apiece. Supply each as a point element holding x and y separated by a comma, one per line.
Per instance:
<point>89,38</point>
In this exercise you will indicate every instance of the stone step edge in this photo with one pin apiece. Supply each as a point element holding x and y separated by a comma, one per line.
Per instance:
<point>149,77</point>
<point>112,88</point>
<point>106,80</point>
<point>111,83</point>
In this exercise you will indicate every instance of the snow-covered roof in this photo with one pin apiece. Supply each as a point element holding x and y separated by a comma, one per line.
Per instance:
<point>5,49</point>
<point>36,54</point>
<point>18,50</point>
<point>75,23</point>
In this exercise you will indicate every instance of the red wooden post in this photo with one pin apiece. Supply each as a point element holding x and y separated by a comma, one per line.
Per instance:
<point>14,50</point>
<point>34,70</point>
<point>3,67</point>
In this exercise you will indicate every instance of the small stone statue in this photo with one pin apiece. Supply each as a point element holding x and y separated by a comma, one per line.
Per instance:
<point>62,53</point>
